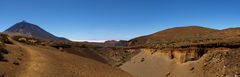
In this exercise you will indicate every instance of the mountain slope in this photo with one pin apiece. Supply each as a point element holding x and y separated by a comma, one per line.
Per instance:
<point>178,33</point>
<point>42,61</point>
<point>31,30</point>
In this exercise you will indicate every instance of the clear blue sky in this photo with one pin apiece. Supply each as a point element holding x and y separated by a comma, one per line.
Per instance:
<point>118,19</point>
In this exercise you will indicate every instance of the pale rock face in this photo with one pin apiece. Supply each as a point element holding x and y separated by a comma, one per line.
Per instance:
<point>158,63</point>
<point>178,56</point>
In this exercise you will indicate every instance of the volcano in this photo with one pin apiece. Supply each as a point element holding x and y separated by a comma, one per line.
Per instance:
<point>31,30</point>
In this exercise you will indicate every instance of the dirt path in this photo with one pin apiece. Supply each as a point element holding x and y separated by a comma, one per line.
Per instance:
<point>49,62</point>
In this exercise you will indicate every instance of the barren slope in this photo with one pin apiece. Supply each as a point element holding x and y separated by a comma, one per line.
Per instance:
<point>176,34</point>
<point>49,62</point>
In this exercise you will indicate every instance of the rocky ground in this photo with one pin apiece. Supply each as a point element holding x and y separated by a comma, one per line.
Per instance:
<point>13,60</point>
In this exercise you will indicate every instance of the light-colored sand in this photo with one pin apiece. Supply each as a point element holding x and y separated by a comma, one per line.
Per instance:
<point>146,64</point>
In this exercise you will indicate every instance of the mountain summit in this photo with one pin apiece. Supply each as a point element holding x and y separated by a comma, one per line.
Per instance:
<point>31,30</point>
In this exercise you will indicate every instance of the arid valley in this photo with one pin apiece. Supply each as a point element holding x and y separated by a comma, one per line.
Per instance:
<point>119,38</point>
<point>192,51</point>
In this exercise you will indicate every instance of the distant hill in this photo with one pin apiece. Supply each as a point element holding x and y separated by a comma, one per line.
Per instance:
<point>115,43</point>
<point>31,30</point>
<point>178,33</point>
<point>225,33</point>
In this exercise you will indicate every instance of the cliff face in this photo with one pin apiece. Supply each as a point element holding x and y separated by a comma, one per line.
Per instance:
<point>178,55</point>
<point>158,63</point>
<point>192,52</point>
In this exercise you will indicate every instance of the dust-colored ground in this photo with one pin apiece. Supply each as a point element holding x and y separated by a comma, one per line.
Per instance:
<point>146,64</point>
<point>15,58</point>
<point>43,61</point>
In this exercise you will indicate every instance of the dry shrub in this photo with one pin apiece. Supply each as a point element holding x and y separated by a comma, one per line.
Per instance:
<point>4,39</point>
<point>26,40</point>
<point>2,52</point>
